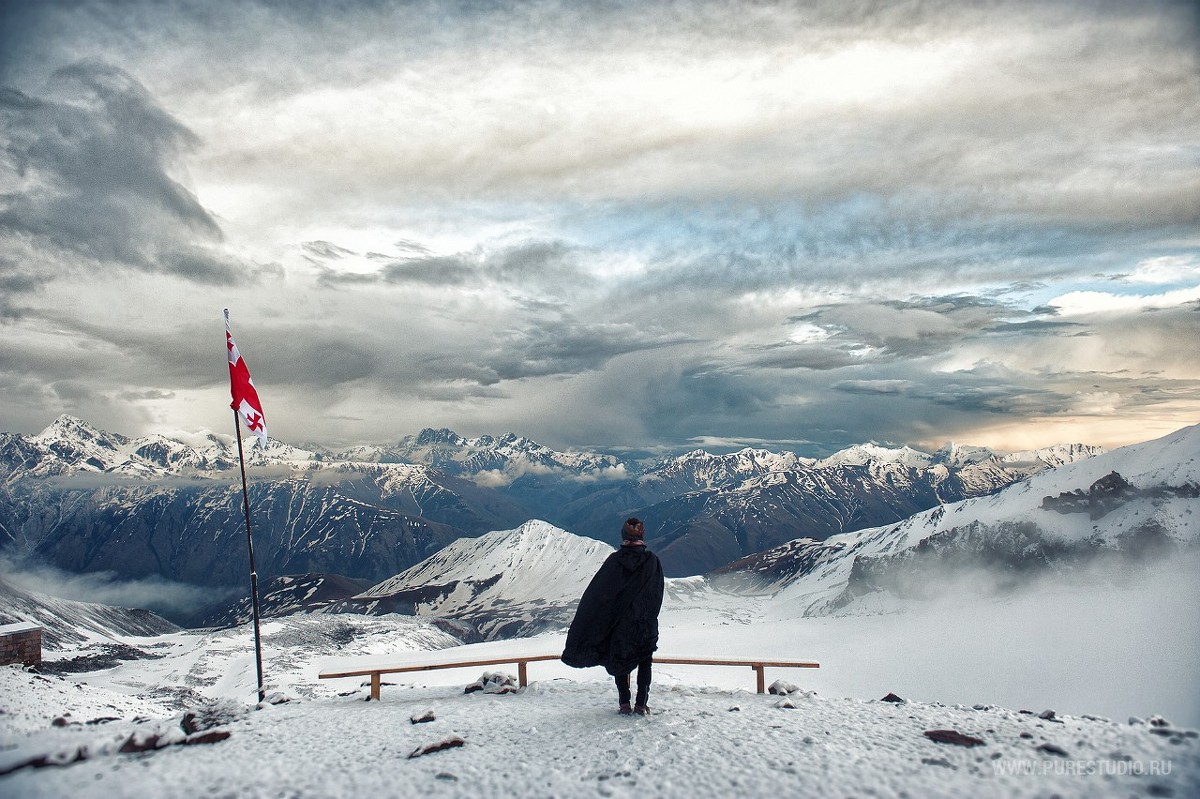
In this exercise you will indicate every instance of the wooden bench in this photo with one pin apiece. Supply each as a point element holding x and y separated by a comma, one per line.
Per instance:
<point>522,662</point>
<point>757,665</point>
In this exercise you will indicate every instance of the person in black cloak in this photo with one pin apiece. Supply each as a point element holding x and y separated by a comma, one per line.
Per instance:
<point>616,623</point>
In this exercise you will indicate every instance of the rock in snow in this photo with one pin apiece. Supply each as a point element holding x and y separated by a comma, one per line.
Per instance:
<point>782,687</point>
<point>438,746</point>
<point>493,682</point>
<point>953,737</point>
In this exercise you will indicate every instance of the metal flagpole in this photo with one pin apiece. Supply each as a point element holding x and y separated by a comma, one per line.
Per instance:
<point>237,424</point>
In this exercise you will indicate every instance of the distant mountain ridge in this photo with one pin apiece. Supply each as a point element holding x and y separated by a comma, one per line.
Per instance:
<point>86,500</point>
<point>70,445</point>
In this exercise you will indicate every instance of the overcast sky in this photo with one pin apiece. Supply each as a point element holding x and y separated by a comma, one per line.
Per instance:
<point>645,225</point>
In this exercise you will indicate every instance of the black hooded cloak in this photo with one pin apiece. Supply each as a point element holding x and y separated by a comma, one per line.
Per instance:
<point>616,624</point>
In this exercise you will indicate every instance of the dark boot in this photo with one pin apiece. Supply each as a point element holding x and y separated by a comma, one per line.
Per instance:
<point>643,687</point>
<point>625,709</point>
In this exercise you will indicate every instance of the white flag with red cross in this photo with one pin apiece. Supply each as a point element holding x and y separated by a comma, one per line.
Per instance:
<point>245,397</point>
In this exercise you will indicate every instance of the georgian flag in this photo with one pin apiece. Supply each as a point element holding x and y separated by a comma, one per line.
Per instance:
<point>245,397</point>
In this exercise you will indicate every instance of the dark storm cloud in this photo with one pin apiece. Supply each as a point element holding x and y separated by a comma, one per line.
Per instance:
<point>832,395</point>
<point>807,356</point>
<point>887,330</point>
<point>334,358</point>
<point>785,246</point>
<point>994,390</point>
<point>479,367</point>
<point>1038,327</point>
<point>532,268</point>
<point>567,347</point>
<point>325,359</point>
<point>968,392</point>
<point>89,163</point>
<point>432,271</point>
<point>672,399</point>
<point>16,279</point>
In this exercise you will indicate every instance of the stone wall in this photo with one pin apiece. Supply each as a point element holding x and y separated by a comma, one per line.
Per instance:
<point>21,643</point>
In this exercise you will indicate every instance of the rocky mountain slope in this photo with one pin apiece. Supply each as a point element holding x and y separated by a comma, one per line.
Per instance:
<point>288,595</point>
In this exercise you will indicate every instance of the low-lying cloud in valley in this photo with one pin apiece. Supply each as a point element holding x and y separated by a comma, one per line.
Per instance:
<point>173,600</point>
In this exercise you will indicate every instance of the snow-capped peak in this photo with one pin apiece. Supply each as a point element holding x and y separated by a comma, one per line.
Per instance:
<point>440,436</point>
<point>501,580</point>
<point>862,454</point>
<point>72,428</point>
<point>1053,456</point>
<point>537,556</point>
<point>954,454</point>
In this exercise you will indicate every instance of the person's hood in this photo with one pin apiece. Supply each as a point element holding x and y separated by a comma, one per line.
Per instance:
<point>633,558</point>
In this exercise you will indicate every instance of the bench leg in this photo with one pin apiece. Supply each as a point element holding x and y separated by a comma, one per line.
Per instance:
<point>762,682</point>
<point>523,673</point>
<point>375,686</point>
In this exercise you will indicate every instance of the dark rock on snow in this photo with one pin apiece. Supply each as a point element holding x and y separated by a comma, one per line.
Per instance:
<point>953,737</point>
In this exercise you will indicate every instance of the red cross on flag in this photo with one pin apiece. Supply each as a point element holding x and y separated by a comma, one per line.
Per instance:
<point>245,397</point>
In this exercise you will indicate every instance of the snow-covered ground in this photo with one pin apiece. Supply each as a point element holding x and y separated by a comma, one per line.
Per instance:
<point>561,738</point>
<point>971,666</point>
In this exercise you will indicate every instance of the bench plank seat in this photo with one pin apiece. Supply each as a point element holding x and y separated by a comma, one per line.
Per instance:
<point>522,661</point>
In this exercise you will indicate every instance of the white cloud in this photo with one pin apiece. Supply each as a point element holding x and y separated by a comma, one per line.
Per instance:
<point>1082,303</point>
<point>807,333</point>
<point>1097,403</point>
<point>1167,269</point>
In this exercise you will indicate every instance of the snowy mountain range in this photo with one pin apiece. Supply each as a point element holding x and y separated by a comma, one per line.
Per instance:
<point>85,500</point>
<point>1130,507</point>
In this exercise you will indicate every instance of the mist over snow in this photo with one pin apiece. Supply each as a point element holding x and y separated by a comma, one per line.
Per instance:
<point>1077,685</point>
<point>1107,640</point>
